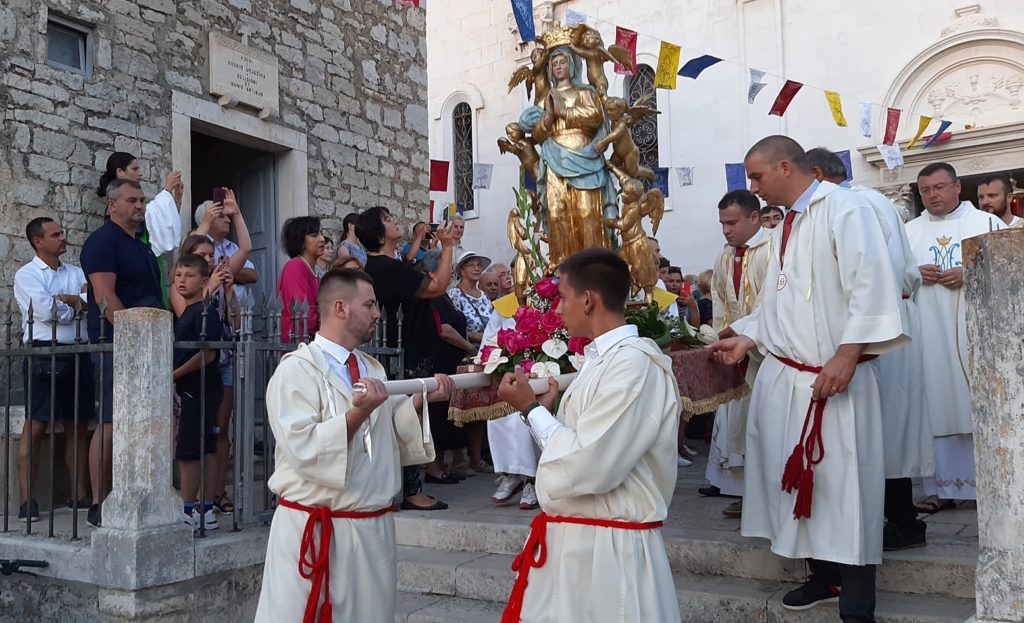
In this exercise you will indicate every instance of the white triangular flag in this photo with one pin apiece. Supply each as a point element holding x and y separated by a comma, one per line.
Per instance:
<point>482,175</point>
<point>685,176</point>
<point>865,119</point>
<point>892,156</point>
<point>756,84</point>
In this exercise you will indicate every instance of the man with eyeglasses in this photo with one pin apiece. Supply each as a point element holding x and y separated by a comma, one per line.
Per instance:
<point>935,239</point>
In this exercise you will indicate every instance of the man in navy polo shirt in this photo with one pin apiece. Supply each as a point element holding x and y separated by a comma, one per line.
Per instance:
<point>122,271</point>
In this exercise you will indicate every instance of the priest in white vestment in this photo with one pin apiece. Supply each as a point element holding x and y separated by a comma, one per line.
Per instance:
<point>829,304</point>
<point>935,238</point>
<point>906,428</point>
<point>735,293</point>
<point>995,193</point>
<point>608,466</point>
<point>340,448</point>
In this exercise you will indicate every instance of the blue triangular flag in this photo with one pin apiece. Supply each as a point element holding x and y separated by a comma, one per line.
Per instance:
<point>694,66</point>
<point>529,182</point>
<point>523,11</point>
<point>735,176</point>
<point>845,157</point>
<point>942,128</point>
<point>661,180</point>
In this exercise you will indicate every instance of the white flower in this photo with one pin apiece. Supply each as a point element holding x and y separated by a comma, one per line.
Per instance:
<point>707,334</point>
<point>494,359</point>
<point>577,361</point>
<point>554,348</point>
<point>545,369</point>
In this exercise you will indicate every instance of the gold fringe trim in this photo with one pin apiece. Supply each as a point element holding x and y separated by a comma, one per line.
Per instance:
<point>707,405</point>
<point>461,417</point>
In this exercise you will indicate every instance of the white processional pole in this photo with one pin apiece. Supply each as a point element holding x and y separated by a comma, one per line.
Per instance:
<point>469,380</point>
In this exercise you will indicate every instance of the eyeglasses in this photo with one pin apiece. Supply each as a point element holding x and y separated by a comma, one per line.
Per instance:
<point>938,188</point>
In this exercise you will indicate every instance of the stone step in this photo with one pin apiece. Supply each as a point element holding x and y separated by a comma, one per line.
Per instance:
<point>706,599</point>
<point>941,569</point>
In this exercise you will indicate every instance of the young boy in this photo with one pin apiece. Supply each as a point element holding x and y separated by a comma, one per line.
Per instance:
<point>191,273</point>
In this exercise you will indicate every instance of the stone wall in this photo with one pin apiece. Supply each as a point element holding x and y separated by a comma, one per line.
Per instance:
<point>352,77</point>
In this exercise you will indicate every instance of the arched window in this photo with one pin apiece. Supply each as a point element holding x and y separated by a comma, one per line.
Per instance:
<point>462,155</point>
<point>645,132</point>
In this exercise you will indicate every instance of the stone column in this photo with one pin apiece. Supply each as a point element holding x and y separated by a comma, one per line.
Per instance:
<point>143,541</point>
<point>994,295</point>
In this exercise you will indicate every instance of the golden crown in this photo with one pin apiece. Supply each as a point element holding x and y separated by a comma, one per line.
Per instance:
<point>943,241</point>
<point>558,35</point>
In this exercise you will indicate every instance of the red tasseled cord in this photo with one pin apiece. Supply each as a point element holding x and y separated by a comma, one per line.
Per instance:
<point>794,468</point>
<point>802,508</point>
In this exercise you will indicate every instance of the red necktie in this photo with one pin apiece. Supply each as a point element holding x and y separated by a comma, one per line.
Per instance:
<point>787,227</point>
<point>353,368</point>
<point>737,269</point>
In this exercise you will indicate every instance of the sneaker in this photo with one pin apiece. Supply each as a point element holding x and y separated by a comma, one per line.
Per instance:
<point>528,501</point>
<point>895,538</point>
<point>28,508</point>
<point>507,487</point>
<point>810,594</point>
<point>683,462</point>
<point>734,510</point>
<point>83,503</point>
<point>483,467</point>
<point>95,516</point>
<point>189,519</point>
<point>209,516</point>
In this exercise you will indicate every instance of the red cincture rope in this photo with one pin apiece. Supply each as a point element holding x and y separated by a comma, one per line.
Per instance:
<point>535,553</point>
<point>314,563</point>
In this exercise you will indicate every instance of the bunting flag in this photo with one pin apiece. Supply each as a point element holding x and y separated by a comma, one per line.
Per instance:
<point>661,180</point>
<point>938,136</point>
<point>482,175</point>
<point>865,119</point>
<point>892,123</point>
<point>528,182</point>
<point>756,84</point>
<point>845,157</point>
<point>891,155</point>
<point>439,175</point>
<point>735,176</point>
<point>627,39</point>
<point>685,175</point>
<point>415,3</point>
<point>431,209</point>
<point>785,96</point>
<point>835,104</point>
<point>694,66</point>
<point>455,209</point>
<point>668,61</point>
<point>572,18</point>
<point>922,125</point>
<point>523,11</point>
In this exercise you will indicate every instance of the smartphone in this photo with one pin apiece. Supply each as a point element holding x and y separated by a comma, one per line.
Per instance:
<point>433,227</point>
<point>685,290</point>
<point>218,195</point>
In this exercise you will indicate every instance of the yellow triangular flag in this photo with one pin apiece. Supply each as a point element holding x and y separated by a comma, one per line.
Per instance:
<point>668,64</point>
<point>664,298</point>
<point>506,305</point>
<point>835,104</point>
<point>922,125</point>
<point>453,209</point>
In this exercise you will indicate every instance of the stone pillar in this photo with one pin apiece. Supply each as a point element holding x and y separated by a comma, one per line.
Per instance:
<point>143,541</point>
<point>994,295</point>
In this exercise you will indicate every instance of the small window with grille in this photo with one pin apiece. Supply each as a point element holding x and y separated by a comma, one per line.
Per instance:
<point>462,155</point>
<point>645,132</point>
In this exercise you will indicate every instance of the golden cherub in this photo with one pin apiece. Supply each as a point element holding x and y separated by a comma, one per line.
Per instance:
<point>587,43</point>
<point>635,249</point>
<point>522,146</point>
<point>624,151</point>
<point>534,75</point>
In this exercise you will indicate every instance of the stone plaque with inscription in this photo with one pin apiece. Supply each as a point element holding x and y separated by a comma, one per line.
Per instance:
<point>243,75</point>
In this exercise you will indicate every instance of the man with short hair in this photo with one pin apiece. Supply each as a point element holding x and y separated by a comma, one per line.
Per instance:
<point>122,272</point>
<point>607,470</point>
<point>490,283</point>
<point>814,468</point>
<point>458,224</point>
<point>995,193</point>
<point>53,289</point>
<point>735,293</point>
<point>935,238</point>
<point>906,428</point>
<point>771,216</point>
<point>341,444</point>
<point>504,278</point>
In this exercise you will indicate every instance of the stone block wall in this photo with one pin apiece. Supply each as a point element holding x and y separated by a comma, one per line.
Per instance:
<point>352,77</point>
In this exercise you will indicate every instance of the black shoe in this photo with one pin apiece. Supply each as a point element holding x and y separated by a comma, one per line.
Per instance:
<point>83,503</point>
<point>895,538</point>
<point>95,517</point>
<point>709,491</point>
<point>443,479</point>
<point>810,594</point>
<point>26,508</point>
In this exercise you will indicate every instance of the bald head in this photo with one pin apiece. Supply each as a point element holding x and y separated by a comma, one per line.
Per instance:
<point>777,148</point>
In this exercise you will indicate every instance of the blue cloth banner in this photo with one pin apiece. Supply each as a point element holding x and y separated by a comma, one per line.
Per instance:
<point>572,18</point>
<point>845,157</point>
<point>942,128</point>
<point>523,10</point>
<point>735,176</point>
<point>694,66</point>
<point>661,180</point>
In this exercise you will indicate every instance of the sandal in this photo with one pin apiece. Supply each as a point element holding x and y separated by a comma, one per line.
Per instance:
<point>932,504</point>
<point>223,504</point>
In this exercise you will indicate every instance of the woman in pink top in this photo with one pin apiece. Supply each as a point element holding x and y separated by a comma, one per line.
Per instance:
<point>304,243</point>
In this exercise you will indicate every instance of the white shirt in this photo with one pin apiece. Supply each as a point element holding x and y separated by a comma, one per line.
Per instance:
<point>228,248</point>
<point>336,356</point>
<point>542,423</point>
<point>38,283</point>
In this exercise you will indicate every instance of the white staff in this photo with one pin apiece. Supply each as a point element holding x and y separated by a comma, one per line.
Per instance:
<point>469,380</point>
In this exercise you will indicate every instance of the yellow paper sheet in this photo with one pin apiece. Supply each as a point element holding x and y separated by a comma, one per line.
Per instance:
<point>835,104</point>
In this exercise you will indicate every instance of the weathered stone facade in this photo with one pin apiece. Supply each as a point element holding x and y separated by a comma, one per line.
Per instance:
<point>352,80</point>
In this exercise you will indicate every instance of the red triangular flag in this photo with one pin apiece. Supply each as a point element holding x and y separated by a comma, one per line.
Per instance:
<point>892,123</point>
<point>439,175</point>
<point>415,3</point>
<point>785,96</point>
<point>432,212</point>
<point>627,39</point>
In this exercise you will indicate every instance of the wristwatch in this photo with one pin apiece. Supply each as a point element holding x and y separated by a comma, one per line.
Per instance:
<point>525,413</point>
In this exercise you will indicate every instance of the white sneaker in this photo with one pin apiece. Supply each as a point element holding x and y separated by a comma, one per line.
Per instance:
<point>209,516</point>
<point>528,501</point>
<point>507,487</point>
<point>190,520</point>
<point>684,462</point>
